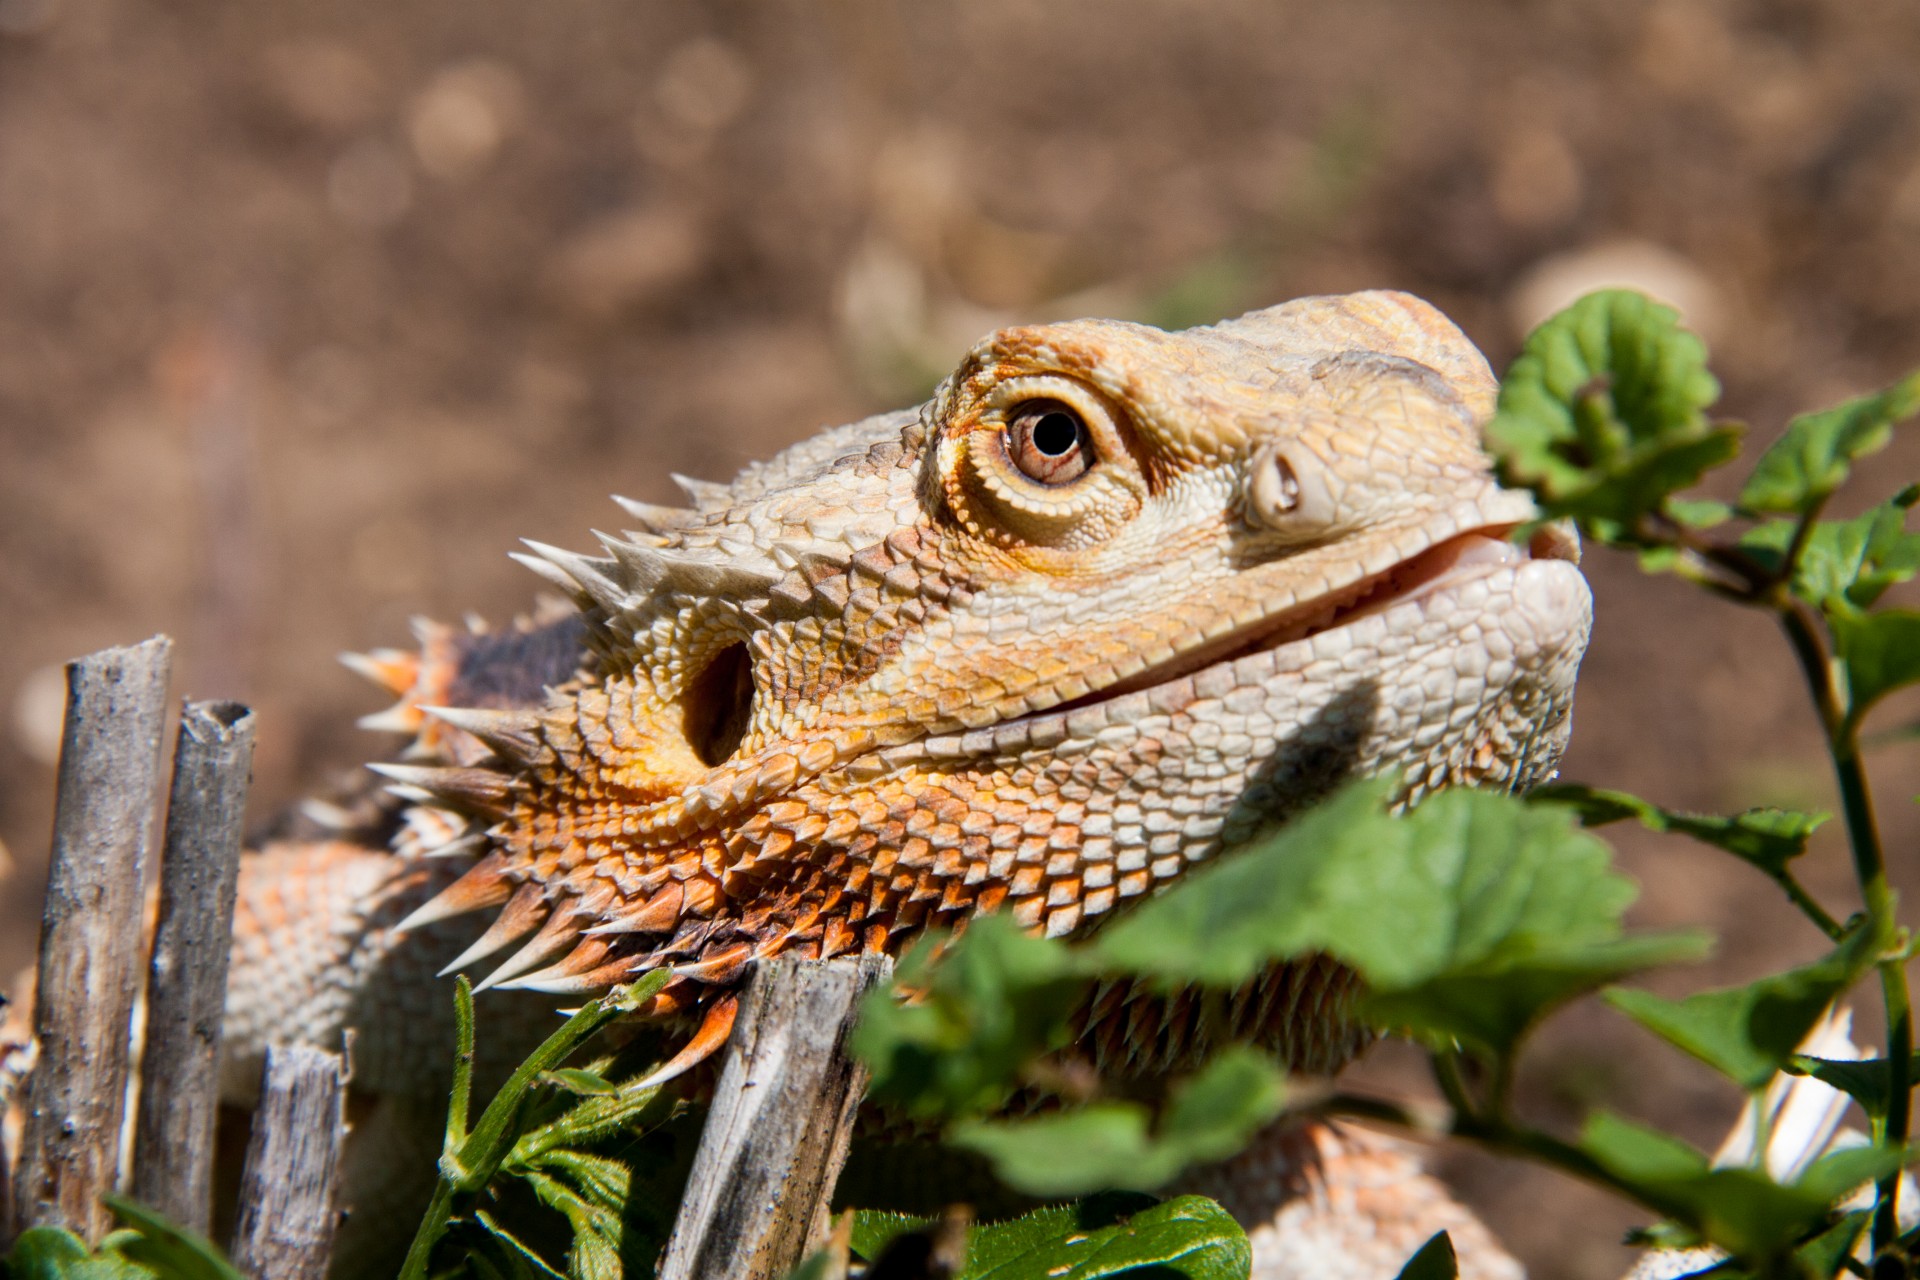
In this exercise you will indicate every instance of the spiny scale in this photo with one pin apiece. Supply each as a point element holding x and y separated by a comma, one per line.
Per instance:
<point>656,519</point>
<point>524,911</point>
<point>484,885</point>
<point>484,789</point>
<point>394,670</point>
<point>514,735</point>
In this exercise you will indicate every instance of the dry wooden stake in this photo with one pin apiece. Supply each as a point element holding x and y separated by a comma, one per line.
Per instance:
<point>289,1188</point>
<point>187,983</point>
<point>777,1132</point>
<point>90,936</point>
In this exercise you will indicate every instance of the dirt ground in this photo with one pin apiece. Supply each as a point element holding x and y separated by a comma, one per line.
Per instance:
<point>307,313</point>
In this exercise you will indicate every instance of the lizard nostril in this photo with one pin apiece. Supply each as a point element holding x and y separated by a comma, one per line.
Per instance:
<point>1286,492</point>
<point>719,705</point>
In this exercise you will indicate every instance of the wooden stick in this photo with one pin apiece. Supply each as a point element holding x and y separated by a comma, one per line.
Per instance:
<point>289,1187</point>
<point>777,1133</point>
<point>187,983</point>
<point>90,936</point>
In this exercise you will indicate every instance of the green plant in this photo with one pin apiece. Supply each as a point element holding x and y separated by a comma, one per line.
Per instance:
<point>147,1248</point>
<point>546,1131</point>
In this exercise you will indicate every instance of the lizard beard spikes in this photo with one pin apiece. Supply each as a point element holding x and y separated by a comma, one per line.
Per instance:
<point>888,680</point>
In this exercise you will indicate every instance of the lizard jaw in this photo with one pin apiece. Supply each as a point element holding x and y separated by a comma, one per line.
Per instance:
<point>1449,562</point>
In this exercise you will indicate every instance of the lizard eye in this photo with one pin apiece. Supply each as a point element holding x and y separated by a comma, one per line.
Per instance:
<point>1048,442</point>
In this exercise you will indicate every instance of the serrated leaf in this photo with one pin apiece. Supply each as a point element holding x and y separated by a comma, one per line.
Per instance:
<point>1880,652</point>
<point>1767,838</point>
<point>1115,1145</point>
<point>1471,916</point>
<point>1843,562</point>
<point>1812,459</point>
<point>1603,414</point>
<point>1111,1235</point>
<point>1748,1033</point>
<point>875,1229</point>
<point>997,999</point>
<point>1434,1261</point>
<point>1741,1210</point>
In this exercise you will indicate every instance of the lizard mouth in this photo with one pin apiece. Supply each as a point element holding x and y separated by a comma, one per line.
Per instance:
<point>1447,563</point>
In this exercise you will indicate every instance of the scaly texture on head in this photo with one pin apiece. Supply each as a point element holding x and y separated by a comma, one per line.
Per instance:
<point>1112,601</point>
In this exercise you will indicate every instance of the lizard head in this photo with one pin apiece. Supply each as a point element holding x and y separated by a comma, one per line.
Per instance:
<point>1112,601</point>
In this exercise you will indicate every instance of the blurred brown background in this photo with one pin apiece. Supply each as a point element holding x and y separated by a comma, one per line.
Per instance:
<point>308,312</point>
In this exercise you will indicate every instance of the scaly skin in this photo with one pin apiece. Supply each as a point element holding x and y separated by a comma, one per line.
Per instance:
<point>891,679</point>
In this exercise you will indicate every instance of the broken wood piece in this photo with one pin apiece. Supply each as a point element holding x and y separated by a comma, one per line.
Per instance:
<point>90,960</point>
<point>777,1132</point>
<point>187,981</point>
<point>289,1187</point>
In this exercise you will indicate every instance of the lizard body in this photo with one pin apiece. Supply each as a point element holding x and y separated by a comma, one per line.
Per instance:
<point>1111,602</point>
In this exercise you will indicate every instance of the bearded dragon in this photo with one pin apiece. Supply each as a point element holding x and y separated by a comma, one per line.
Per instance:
<point>1110,603</point>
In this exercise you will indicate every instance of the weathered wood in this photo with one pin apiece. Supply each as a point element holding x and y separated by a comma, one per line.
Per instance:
<point>777,1133</point>
<point>289,1187</point>
<point>187,982</point>
<point>90,936</point>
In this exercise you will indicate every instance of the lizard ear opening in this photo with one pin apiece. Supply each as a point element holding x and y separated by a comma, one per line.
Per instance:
<point>719,705</point>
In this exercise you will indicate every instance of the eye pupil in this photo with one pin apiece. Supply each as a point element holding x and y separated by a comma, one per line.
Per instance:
<point>1055,434</point>
<point>1048,442</point>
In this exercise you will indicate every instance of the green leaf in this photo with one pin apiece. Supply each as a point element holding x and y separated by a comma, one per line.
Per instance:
<point>1748,1033</point>
<point>1109,1235</point>
<point>1111,1145</point>
<point>522,1256</point>
<point>1213,1113</point>
<point>1434,1261</point>
<point>1767,838</point>
<point>480,1155</point>
<point>1469,917</point>
<point>1492,1005</point>
<point>875,1229</point>
<point>1603,414</point>
<point>997,999</point>
<point>1825,1254</point>
<point>1843,562</point>
<point>818,1266</point>
<point>1699,513</point>
<point>1804,466</point>
<point>599,1234</point>
<point>1880,652</point>
<point>575,1080</point>
<point>173,1251</point>
<point>598,1117</point>
<point>54,1253</point>
<point>1741,1210</point>
<point>1865,1080</point>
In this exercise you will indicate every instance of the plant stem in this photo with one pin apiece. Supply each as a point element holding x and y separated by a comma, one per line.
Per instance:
<point>1797,893</point>
<point>1446,1073</point>
<point>1870,868</point>
<point>433,1225</point>
<point>1493,1132</point>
